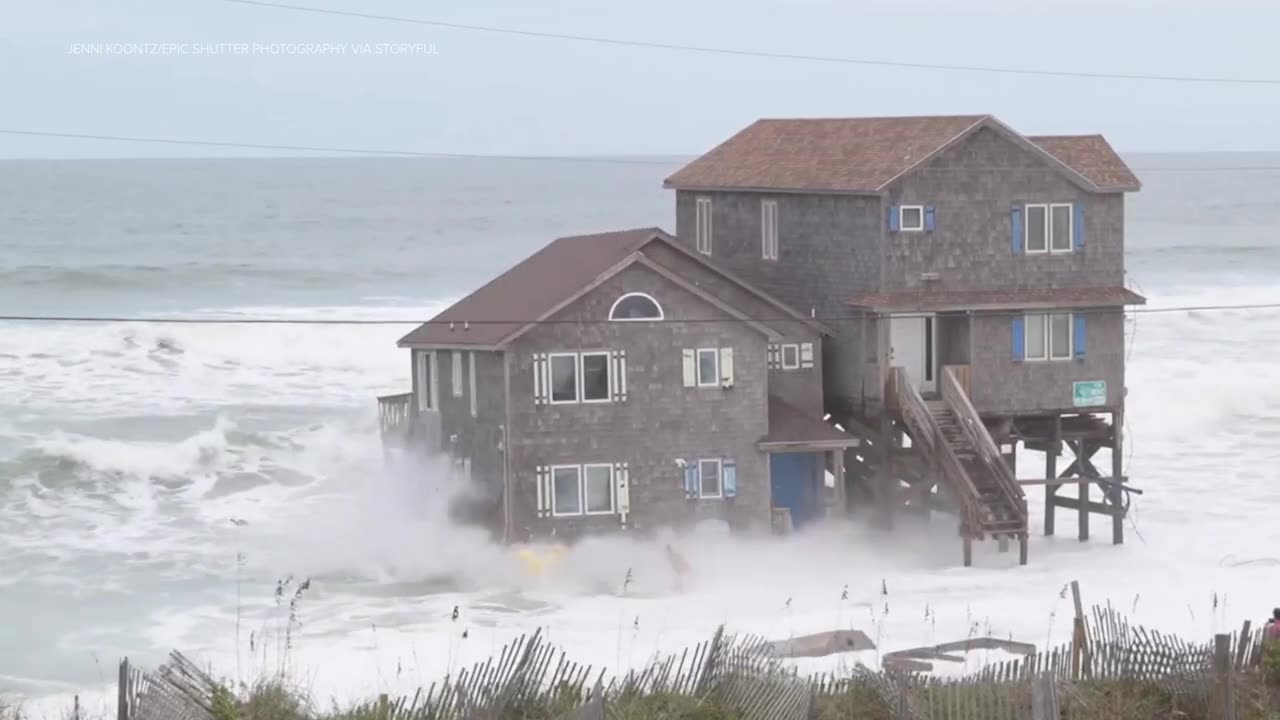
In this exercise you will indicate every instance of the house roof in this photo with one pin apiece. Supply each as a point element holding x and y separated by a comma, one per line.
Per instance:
<point>789,425</point>
<point>544,282</point>
<point>997,299</point>
<point>863,155</point>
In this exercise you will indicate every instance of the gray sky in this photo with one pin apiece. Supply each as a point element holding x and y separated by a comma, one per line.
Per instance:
<point>487,93</point>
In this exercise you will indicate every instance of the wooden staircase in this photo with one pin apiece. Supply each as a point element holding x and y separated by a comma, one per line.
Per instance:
<point>954,440</point>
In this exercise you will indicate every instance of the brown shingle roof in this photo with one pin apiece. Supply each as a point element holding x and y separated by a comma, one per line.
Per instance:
<point>530,289</point>
<point>1092,157</point>
<point>832,154</point>
<point>997,299</point>
<point>862,155</point>
<point>789,425</point>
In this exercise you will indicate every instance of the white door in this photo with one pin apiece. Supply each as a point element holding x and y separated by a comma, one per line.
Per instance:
<point>912,345</point>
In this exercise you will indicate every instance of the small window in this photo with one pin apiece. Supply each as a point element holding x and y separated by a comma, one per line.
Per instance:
<point>1036,337</point>
<point>426,381</point>
<point>598,489</point>
<point>455,368</point>
<point>708,367</point>
<point>1037,228</point>
<point>564,378</point>
<point>709,479</point>
<point>702,231</point>
<point>911,218</point>
<point>595,377</point>
<point>566,493</point>
<point>1060,337</point>
<point>1060,228</point>
<point>635,306</point>
<point>790,357</point>
<point>769,229</point>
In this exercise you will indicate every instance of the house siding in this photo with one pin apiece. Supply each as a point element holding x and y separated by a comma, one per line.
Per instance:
<point>660,420</point>
<point>973,186</point>
<point>829,249</point>
<point>1002,385</point>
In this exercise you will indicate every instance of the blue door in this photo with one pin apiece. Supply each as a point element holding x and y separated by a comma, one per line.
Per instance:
<point>793,480</point>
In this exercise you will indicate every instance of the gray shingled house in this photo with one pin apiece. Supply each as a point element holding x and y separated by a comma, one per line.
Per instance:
<point>944,288</point>
<point>622,381</point>
<point>973,281</point>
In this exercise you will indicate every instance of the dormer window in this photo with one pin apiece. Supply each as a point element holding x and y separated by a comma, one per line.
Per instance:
<point>635,306</point>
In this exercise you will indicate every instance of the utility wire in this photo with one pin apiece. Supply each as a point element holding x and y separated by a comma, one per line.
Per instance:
<point>552,158</point>
<point>462,323</point>
<point>655,45</point>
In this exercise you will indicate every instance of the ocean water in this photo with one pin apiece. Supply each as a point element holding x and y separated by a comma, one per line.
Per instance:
<point>171,486</point>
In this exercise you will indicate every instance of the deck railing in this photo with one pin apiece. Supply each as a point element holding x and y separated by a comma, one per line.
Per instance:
<point>395,416</point>
<point>924,427</point>
<point>955,395</point>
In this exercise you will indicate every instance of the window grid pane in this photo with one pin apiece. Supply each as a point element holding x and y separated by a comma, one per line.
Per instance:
<point>1060,336</point>
<point>709,473</point>
<point>599,488</point>
<point>708,366</point>
<point>1060,231</point>
<point>1037,222</point>
<point>912,218</point>
<point>564,378</point>
<point>566,491</point>
<point>595,376</point>
<point>1035,337</point>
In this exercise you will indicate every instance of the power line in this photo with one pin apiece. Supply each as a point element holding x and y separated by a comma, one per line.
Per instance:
<point>460,323</point>
<point>764,54</point>
<point>544,158</point>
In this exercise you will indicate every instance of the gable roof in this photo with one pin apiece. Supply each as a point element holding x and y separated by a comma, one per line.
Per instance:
<point>543,283</point>
<point>864,155</point>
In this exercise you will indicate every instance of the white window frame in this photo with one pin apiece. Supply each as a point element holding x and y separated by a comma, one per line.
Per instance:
<point>555,510</point>
<point>703,226</point>
<point>647,296</point>
<point>1026,229</point>
<point>719,463</point>
<point>902,218</point>
<point>1047,348</point>
<point>795,348</point>
<point>697,364</point>
<point>551,378</point>
<point>426,377</point>
<point>769,229</point>
<point>1071,229</point>
<point>455,372</point>
<point>613,501</point>
<point>471,371</point>
<point>608,376</point>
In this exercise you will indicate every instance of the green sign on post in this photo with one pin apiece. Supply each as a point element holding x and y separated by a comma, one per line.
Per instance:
<point>1090,393</point>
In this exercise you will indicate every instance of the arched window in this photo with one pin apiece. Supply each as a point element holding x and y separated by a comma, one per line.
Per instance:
<point>635,306</point>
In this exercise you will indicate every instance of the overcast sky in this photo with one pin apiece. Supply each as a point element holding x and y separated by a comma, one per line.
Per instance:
<point>502,94</point>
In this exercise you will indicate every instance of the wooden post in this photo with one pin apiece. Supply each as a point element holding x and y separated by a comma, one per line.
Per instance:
<point>968,546</point>
<point>1117,495</point>
<point>1082,454</point>
<point>1044,698</point>
<point>1051,472</point>
<point>384,707</point>
<point>837,470</point>
<point>1223,706</point>
<point>1022,548</point>
<point>122,691</point>
<point>1079,641</point>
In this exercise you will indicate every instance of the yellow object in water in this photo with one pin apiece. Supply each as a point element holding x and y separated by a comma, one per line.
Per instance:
<point>536,563</point>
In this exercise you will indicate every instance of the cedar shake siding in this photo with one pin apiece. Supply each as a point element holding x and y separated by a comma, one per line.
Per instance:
<point>973,187</point>
<point>660,420</point>
<point>828,249</point>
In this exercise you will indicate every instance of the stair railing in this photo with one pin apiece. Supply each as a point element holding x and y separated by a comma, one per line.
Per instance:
<point>971,424</point>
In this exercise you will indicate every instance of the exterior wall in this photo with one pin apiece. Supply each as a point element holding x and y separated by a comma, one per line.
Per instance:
<point>479,437</point>
<point>1001,384</point>
<point>953,339</point>
<point>829,249</point>
<point>801,388</point>
<point>660,420</point>
<point>973,187</point>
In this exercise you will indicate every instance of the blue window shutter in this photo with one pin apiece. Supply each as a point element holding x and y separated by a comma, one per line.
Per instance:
<point>1080,334</point>
<point>1016,216</point>
<point>1077,226</point>
<point>895,219</point>
<point>729,475</point>
<point>1019,341</point>
<point>928,218</point>
<point>691,479</point>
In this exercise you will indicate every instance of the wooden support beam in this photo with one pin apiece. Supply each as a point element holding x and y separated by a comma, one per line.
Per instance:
<point>837,471</point>
<point>968,549</point>
<point>1088,505</point>
<point>1022,549</point>
<point>1050,472</point>
<point>1114,491</point>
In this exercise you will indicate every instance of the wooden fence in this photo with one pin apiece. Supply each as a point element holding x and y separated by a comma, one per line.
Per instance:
<point>743,677</point>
